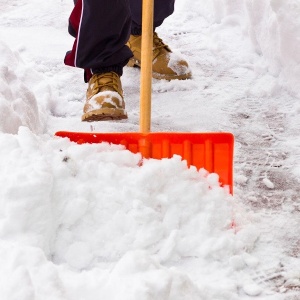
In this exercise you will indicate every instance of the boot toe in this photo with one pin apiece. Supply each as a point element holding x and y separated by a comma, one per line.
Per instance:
<point>104,98</point>
<point>171,66</point>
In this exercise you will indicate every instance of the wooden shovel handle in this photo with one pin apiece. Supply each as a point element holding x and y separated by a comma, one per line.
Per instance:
<point>146,66</point>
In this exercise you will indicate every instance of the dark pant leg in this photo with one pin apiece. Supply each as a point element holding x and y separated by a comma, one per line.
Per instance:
<point>162,9</point>
<point>101,29</point>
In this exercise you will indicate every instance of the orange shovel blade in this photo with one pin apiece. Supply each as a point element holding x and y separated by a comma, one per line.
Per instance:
<point>211,151</point>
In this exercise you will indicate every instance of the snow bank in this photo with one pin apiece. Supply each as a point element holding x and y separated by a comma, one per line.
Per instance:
<point>71,213</point>
<point>272,27</point>
<point>18,87</point>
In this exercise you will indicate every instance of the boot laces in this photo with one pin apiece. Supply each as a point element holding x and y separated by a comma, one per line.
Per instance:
<point>158,42</point>
<point>107,80</point>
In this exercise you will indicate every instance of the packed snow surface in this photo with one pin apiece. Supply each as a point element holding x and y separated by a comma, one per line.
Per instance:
<point>95,221</point>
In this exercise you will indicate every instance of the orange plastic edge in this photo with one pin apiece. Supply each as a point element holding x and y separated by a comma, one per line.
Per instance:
<point>212,151</point>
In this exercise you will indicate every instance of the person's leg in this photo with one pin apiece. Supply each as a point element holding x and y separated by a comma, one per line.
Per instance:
<point>101,29</point>
<point>162,9</point>
<point>166,65</point>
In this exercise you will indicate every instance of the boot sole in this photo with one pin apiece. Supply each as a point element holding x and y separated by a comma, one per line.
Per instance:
<point>104,114</point>
<point>133,63</point>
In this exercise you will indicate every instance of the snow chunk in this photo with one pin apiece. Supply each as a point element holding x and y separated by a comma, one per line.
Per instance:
<point>268,183</point>
<point>173,64</point>
<point>138,276</point>
<point>252,289</point>
<point>18,104</point>
<point>79,255</point>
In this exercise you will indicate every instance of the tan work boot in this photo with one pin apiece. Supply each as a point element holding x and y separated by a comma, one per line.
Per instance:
<point>104,98</point>
<point>166,64</point>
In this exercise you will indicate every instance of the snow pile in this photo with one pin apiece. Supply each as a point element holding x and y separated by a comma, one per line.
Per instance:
<point>272,27</point>
<point>90,222</point>
<point>18,103</point>
<point>93,208</point>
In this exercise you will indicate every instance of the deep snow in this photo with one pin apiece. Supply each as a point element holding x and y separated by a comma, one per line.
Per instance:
<point>86,222</point>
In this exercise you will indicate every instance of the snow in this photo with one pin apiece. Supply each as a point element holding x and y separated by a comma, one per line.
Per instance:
<point>93,104</point>
<point>89,221</point>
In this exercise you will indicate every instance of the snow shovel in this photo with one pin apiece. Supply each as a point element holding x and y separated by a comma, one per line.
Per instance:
<point>211,151</point>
